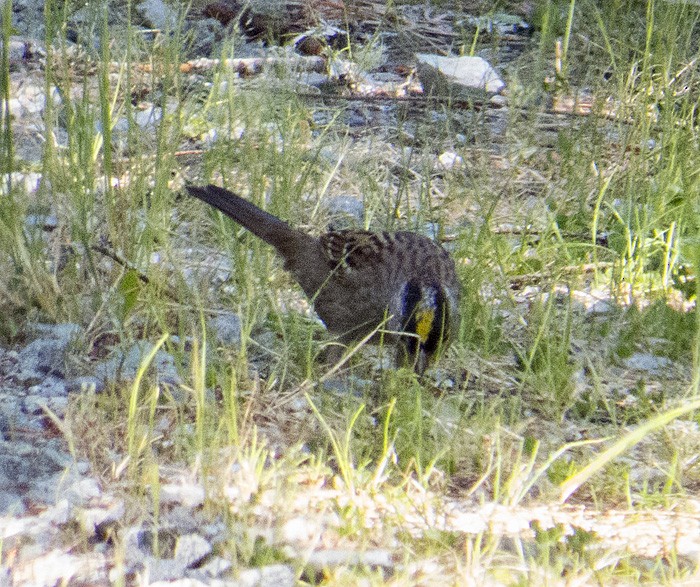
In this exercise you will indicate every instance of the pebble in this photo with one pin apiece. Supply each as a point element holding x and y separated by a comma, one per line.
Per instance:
<point>227,327</point>
<point>345,211</point>
<point>123,365</point>
<point>158,14</point>
<point>652,364</point>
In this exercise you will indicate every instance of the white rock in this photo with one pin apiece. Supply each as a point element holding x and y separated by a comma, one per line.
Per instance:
<point>191,549</point>
<point>449,160</point>
<point>457,76</point>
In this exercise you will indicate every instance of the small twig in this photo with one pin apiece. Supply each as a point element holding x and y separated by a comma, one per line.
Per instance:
<point>518,281</point>
<point>251,65</point>
<point>117,258</point>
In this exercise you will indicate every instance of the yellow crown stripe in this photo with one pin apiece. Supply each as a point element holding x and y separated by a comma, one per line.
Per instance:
<point>424,324</point>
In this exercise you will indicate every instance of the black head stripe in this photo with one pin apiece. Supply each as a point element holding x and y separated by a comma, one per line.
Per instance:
<point>440,321</point>
<point>411,300</point>
<point>419,299</point>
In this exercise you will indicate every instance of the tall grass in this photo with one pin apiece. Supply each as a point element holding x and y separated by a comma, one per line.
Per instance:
<point>534,384</point>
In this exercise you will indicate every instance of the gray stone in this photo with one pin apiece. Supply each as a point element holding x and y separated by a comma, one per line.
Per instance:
<point>60,568</point>
<point>328,559</point>
<point>277,575</point>
<point>192,549</point>
<point>653,364</point>
<point>11,414</point>
<point>123,365</point>
<point>215,532</point>
<point>93,519</point>
<point>184,583</point>
<point>206,32</point>
<point>348,385</point>
<point>32,97</point>
<point>58,514</point>
<point>83,491</point>
<point>28,18</point>
<point>459,77</point>
<point>149,117</point>
<point>346,211</point>
<point>33,472</point>
<point>600,307</point>
<point>450,160</point>
<point>37,405</point>
<point>82,467</point>
<point>215,567</point>
<point>227,327</point>
<point>190,494</point>
<point>86,384</point>
<point>11,504</point>
<point>45,222</point>
<point>50,387</point>
<point>161,569</point>
<point>46,355</point>
<point>54,451</point>
<point>499,23</point>
<point>312,79</point>
<point>158,14</point>
<point>356,119</point>
<point>17,49</point>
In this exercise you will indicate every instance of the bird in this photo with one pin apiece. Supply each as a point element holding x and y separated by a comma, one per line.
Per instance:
<point>399,285</point>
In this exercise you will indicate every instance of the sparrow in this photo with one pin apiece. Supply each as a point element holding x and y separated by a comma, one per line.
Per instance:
<point>399,285</point>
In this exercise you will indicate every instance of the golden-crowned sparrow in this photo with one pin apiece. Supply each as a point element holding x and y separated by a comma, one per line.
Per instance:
<point>359,281</point>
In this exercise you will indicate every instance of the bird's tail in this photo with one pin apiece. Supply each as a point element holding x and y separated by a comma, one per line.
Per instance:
<point>269,228</point>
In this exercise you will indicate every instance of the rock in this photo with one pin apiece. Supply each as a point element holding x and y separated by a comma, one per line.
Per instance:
<point>312,80</point>
<point>222,12</point>
<point>23,49</point>
<point>459,77</point>
<point>32,97</point>
<point>59,568</point>
<point>28,18</point>
<point>190,495</point>
<point>45,222</point>
<point>328,559</point>
<point>51,387</point>
<point>56,515</point>
<point>123,365</point>
<point>206,32</point>
<point>158,14</point>
<point>600,307</point>
<point>37,405</point>
<point>11,504</point>
<point>175,553</point>
<point>215,567</point>
<point>497,23</point>
<point>277,575</point>
<point>46,355</point>
<point>345,212</point>
<point>191,583</point>
<point>97,519</point>
<point>148,117</point>
<point>227,327</point>
<point>83,491</point>
<point>450,160</point>
<point>355,119</point>
<point>191,549</point>
<point>311,45</point>
<point>348,385</point>
<point>86,384</point>
<point>653,364</point>
<point>32,471</point>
